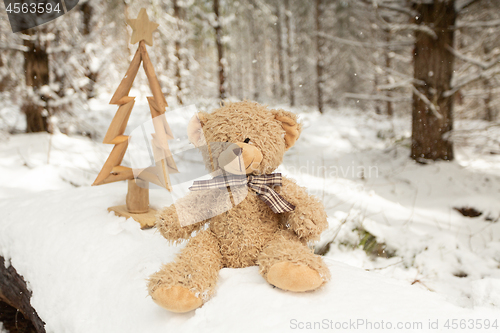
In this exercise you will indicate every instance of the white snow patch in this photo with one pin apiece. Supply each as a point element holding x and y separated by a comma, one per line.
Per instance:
<point>88,268</point>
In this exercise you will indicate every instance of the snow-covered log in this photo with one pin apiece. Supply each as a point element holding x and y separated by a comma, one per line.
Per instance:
<point>14,292</point>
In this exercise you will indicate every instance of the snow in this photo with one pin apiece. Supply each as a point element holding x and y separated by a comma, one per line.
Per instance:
<point>88,268</point>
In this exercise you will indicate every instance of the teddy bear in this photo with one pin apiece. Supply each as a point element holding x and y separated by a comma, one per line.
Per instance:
<point>271,227</point>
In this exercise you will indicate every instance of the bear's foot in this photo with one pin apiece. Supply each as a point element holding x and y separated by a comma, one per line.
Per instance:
<point>293,277</point>
<point>176,299</point>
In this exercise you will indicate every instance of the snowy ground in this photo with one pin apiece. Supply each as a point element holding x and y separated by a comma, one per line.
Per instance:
<point>87,268</point>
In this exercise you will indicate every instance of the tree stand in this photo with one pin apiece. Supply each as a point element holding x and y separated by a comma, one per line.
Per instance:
<point>137,204</point>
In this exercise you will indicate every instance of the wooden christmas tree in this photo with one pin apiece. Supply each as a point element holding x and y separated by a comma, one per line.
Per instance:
<point>137,201</point>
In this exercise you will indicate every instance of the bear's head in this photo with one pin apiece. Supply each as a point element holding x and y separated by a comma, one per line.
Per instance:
<point>244,137</point>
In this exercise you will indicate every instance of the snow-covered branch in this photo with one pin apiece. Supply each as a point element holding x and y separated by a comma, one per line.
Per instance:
<point>462,4</point>
<point>13,47</point>
<point>396,27</point>
<point>482,64</point>
<point>478,24</point>
<point>205,17</point>
<point>404,83</point>
<point>479,92</point>
<point>364,44</point>
<point>431,106</point>
<point>394,7</point>
<point>415,27</point>
<point>375,97</point>
<point>264,7</point>
<point>406,77</point>
<point>485,74</point>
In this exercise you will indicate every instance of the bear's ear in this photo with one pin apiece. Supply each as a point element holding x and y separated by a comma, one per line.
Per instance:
<point>195,130</point>
<point>291,126</point>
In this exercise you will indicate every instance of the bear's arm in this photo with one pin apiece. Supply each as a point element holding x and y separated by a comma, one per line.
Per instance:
<point>193,207</point>
<point>308,219</point>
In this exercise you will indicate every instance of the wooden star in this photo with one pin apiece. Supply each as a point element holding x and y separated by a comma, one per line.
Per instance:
<point>142,28</point>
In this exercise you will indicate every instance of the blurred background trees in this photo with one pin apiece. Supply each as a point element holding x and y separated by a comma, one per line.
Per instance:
<point>434,60</point>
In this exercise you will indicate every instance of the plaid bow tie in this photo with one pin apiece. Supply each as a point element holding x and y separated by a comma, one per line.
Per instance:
<point>260,184</point>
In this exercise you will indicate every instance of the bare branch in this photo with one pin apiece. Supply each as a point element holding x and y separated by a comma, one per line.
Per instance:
<point>431,106</point>
<point>479,92</point>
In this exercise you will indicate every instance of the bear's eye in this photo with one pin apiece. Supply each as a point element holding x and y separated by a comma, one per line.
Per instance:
<point>247,140</point>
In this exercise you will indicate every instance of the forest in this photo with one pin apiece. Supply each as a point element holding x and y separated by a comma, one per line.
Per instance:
<point>372,55</point>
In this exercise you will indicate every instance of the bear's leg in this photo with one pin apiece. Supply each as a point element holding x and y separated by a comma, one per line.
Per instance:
<point>287,263</point>
<point>189,281</point>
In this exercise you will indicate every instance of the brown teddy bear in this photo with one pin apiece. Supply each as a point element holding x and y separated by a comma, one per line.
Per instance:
<point>270,227</point>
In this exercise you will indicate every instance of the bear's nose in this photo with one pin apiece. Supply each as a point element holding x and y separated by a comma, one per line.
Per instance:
<point>237,151</point>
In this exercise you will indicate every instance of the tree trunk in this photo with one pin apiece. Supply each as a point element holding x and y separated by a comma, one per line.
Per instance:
<point>281,64</point>
<point>319,56</point>
<point>433,64</point>
<point>388,64</point>
<point>36,67</point>
<point>220,50</point>
<point>290,49</point>
<point>14,292</point>
<point>178,64</point>
<point>87,11</point>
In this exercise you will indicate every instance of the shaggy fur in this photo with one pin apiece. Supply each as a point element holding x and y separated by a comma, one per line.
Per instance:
<point>250,233</point>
